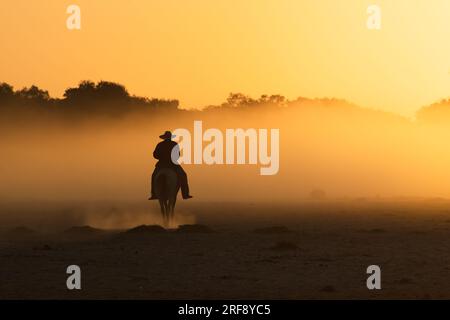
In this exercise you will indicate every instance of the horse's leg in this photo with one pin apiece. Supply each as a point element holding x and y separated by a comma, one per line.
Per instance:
<point>163,211</point>
<point>167,208</point>
<point>172,207</point>
<point>173,201</point>
<point>169,211</point>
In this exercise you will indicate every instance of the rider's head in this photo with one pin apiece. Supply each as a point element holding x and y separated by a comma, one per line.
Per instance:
<point>167,136</point>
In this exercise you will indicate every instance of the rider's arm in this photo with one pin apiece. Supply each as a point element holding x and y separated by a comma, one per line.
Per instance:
<point>157,153</point>
<point>175,154</point>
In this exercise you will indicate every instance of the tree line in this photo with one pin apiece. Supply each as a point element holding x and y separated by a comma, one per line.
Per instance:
<point>88,97</point>
<point>109,98</point>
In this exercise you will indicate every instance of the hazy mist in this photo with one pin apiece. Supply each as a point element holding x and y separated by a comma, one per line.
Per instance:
<point>330,145</point>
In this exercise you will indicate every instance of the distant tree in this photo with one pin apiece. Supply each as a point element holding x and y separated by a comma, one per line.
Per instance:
<point>110,98</point>
<point>33,94</point>
<point>235,100</point>
<point>153,103</point>
<point>6,94</point>
<point>88,92</point>
<point>240,100</point>
<point>436,112</point>
<point>166,104</point>
<point>111,91</point>
<point>83,93</point>
<point>102,98</point>
<point>275,99</point>
<point>6,90</point>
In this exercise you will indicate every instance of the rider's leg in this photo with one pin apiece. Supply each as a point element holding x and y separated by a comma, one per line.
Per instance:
<point>153,196</point>
<point>182,176</point>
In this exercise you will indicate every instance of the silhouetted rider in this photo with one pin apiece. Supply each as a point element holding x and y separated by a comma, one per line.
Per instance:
<point>163,152</point>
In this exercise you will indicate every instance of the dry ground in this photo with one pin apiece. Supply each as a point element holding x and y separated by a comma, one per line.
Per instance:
<point>320,251</point>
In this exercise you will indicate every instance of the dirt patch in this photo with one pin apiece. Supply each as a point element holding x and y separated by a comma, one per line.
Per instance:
<point>194,228</point>
<point>273,230</point>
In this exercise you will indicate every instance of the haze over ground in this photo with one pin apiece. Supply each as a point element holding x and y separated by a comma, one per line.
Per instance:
<point>198,52</point>
<point>101,149</point>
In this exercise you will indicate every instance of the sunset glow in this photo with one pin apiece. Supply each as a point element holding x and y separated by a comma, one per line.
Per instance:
<point>198,51</point>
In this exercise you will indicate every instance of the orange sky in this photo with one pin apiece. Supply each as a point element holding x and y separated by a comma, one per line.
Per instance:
<point>200,50</point>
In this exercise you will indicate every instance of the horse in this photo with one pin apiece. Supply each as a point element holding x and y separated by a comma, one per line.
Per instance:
<point>166,190</point>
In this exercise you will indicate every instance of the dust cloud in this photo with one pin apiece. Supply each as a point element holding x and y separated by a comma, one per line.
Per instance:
<point>343,150</point>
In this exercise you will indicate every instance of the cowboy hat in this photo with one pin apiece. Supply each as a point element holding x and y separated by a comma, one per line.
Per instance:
<point>167,135</point>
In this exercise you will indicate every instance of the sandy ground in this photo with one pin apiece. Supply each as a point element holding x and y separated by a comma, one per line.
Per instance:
<point>319,251</point>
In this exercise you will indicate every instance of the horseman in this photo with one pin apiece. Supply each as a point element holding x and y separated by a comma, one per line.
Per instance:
<point>167,152</point>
